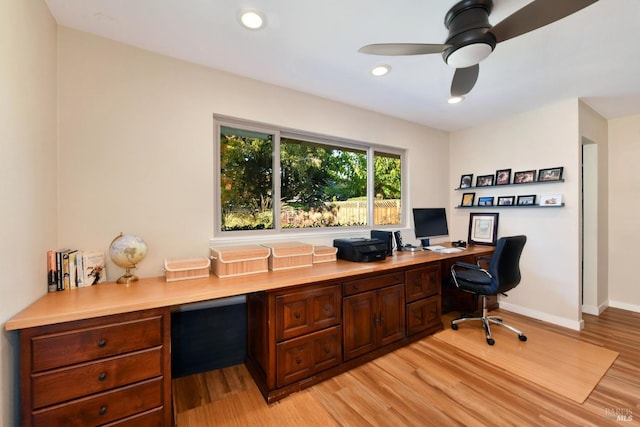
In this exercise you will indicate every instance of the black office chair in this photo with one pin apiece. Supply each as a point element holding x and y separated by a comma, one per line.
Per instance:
<point>503,275</point>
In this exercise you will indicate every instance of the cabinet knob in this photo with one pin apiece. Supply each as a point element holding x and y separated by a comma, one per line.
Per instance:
<point>297,315</point>
<point>327,351</point>
<point>327,308</point>
<point>103,410</point>
<point>102,343</point>
<point>298,361</point>
<point>102,376</point>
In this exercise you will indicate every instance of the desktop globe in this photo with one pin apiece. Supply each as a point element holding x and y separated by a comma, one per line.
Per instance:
<point>126,251</point>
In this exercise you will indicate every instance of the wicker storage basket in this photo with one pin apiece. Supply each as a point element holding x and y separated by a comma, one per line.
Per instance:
<point>239,260</point>
<point>324,254</point>
<point>286,255</point>
<point>186,268</point>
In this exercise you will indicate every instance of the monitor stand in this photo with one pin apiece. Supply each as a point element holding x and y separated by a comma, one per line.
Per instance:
<point>425,242</point>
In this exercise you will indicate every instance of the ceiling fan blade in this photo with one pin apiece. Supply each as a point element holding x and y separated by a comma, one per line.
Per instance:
<point>536,14</point>
<point>464,79</point>
<point>401,49</point>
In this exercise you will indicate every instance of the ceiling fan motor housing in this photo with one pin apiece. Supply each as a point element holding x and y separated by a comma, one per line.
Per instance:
<point>469,38</point>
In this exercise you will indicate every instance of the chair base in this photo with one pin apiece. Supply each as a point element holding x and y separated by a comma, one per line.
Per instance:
<point>486,321</point>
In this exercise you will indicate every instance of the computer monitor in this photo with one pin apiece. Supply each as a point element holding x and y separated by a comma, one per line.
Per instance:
<point>429,222</point>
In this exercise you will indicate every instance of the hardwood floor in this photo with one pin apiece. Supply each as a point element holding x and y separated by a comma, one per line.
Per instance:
<point>428,383</point>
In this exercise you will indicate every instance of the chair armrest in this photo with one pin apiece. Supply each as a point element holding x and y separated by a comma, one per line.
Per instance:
<point>466,265</point>
<point>484,259</point>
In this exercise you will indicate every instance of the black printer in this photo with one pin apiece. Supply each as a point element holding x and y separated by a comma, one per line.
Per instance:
<point>360,249</point>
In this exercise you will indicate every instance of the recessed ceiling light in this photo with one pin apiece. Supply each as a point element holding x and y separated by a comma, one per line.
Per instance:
<point>455,99</point>
<point>381,70</point>
<point>252,19</point>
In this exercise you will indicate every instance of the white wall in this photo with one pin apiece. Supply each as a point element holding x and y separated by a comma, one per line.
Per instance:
<point>594,136</point>
<point>136,144</point>
<point>550,264</point>
<point>624,205</point>
<point>27,173</point>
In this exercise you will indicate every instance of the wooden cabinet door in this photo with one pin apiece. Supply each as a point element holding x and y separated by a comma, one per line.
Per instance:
<point>422,282</point>
<point>391,319</point>
<point>358,325</point>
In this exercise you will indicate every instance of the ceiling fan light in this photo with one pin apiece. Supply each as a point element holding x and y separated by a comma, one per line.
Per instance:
<point>381,70</point>
<point>455,99</point>
<point>251,19</point>
<point>469,55</point>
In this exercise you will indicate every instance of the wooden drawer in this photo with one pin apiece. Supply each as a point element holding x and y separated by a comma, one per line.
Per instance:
<point>152,418</point>
<point>81,345</point>
<point>69,383</point>
<point>371,283</point>
<point>422,282</point>
<point>104,407</point>
<point>423,314</point>
<point>304,356</point>
<point>306,311</point>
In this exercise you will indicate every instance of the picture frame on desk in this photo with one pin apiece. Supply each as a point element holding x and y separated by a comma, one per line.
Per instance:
<point>503,176</point>
<point>467,199</point>
<point>483,228</point>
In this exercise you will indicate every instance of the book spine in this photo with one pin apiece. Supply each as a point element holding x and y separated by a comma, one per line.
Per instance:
<point>79,270</point>
<point>59,285</point>
<point>66,276</point>
<point>72,269</point>
<point>52,272</point>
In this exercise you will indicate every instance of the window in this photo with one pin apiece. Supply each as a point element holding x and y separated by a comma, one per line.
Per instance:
<point>274,179</point>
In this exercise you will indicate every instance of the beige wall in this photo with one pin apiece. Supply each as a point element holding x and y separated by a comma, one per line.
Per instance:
<point>136,144</point>
<point>27,172</point>
<point>550,264</point>
<point>624,205</point>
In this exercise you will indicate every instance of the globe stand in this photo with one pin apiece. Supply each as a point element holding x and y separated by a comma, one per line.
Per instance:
<point>127,278</point>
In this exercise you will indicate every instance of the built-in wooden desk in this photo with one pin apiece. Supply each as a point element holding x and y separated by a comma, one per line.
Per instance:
<point>101,354</point>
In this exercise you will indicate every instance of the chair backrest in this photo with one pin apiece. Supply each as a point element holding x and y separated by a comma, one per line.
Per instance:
<point>505,263</point>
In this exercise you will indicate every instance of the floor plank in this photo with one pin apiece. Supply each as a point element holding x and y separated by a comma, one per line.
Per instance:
<point>428,383</point>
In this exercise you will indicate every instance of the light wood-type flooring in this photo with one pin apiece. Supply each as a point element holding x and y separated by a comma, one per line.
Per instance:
<point>428,383</point>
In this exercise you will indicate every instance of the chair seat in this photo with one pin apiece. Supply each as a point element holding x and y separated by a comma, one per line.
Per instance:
<point>475,281</point>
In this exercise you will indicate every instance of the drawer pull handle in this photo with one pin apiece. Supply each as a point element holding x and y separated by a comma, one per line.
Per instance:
<point>103,410</point>
<point>102,343</point>
<point>327,308</point>
<point>298,361</point>
<point>102,376</point>
<point>297,315</point>
<point>327,351</point>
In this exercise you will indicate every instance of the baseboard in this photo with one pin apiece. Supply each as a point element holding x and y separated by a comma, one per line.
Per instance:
<point>545,317</point>
<point>625,306</point>
<point>592,309</point>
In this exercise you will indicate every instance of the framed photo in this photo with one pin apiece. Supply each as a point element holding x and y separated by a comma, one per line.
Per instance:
<point>524,177</point>
<point>551,174</point>
<point>485,201</point>
<point>483,229</point>
<point>484,181</point>
<point>467,199</point>
<point>506,200</point>
<point>526,200</point>
<point>503,176</point>
<point>466,180</point>
<point>551,200</point>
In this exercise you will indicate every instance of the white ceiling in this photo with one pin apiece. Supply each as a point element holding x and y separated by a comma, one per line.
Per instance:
<point>311,46</point>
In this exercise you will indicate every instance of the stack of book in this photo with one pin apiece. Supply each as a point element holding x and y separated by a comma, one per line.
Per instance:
<point>71,268</point>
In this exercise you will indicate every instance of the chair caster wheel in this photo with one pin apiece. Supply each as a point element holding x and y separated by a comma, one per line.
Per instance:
<point>454,326</point>
<point>522,337</point>
<point>490,341</point>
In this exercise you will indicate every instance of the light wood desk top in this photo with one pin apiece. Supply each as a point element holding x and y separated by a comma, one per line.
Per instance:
<point>110,298</point>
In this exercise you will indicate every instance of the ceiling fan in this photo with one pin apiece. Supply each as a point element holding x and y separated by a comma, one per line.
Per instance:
<point>471,38</point>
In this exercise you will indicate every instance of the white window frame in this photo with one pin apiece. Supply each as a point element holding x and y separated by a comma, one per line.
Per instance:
<point>278,133</point>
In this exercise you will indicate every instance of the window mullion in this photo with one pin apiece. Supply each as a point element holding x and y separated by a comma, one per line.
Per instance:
<point>277,170</point>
